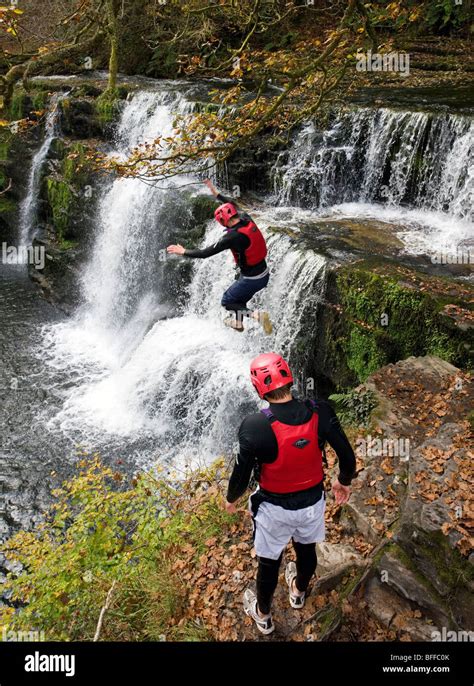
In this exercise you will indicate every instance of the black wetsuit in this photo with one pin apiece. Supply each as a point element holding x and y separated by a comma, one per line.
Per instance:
<point>258,445</point>
<point>233,240</point>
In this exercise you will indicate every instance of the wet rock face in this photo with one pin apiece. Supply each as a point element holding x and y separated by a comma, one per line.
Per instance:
<point>80,119</point>
<point>423,576</point>
<point>378,311</point>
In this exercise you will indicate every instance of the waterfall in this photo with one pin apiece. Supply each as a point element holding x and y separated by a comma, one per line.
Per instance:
<point>382,155</point>
<point>123,280</point>
<point>180,381</point>
<point>144,370</point>
<point>29,203</point>
<point>414,166</point>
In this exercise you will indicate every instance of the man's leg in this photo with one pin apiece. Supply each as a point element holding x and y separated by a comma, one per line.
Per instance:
<point>239,293</point>
<point>267,580</point>
<point>306,562</point>
<point>271,534</point>
<point>233,302</point>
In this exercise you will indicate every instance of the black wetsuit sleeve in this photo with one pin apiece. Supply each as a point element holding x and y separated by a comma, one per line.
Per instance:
<point>243,467</point>
<point>257,444</point>
<point>225,243</point>
<point>330,430</point>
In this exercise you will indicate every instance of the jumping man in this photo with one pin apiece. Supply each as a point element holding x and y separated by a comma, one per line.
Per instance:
<point>247,244</point>
<point>283,446</point>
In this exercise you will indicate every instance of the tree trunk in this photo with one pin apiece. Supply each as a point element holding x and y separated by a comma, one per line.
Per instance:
<point>113,27</point>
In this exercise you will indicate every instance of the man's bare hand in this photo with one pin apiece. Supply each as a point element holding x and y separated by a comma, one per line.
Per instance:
<point>211,187</point>
<point>230,508</point>
<point>341,492</point>
<point>175,249</point>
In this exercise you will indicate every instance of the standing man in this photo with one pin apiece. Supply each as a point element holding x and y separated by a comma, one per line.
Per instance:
<point>283,446</point>
<point>247,244</point>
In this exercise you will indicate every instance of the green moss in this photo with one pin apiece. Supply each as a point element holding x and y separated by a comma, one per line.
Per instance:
<point>415,323</point>
<point>60,197</point>
<point>58,147</point>
<point>398,552</point>
<point>74,164</point>
<point>39,99</point>
<point>364,353</point>
<point>87,90</point>
<point>65,108</point>
<point>18,105</point>
<point>106,106</point>
<point>451,568</point>
<point>6,205</point>
<point>64,187</point>
<point>4,147</point>
<point>68,245</point>
<point>3,179</point>
<point>203,208</point>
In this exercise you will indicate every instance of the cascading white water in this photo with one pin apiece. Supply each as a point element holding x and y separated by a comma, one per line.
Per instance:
<point>29,203</point>
<point>121,284</point>
<point>183,380</point>
<point>368,155</point>
<point>411,168</point>
<point>179,382</point>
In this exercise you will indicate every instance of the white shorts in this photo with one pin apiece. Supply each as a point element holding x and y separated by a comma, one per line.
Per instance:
<point>274,527</point>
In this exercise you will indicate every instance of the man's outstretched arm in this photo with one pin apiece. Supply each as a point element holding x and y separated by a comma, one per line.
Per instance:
<point>225,243</point>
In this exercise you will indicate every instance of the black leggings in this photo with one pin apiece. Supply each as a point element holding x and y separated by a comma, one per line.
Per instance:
<point>267,574</point>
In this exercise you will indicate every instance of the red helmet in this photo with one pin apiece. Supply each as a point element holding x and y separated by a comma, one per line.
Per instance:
<point>225,212</point>
<point>269,372</point>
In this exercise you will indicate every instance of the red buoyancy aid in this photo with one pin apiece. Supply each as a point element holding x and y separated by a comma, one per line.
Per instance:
<point>299,464</point>
<point>257,250</point>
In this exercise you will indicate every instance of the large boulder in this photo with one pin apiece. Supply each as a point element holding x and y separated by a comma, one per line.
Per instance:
<point>415,503</point>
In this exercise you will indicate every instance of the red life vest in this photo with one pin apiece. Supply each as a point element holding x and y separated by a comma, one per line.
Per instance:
<point>257,250</point>
<point>299,464</point>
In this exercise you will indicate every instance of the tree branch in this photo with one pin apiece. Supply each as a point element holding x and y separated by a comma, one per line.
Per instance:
<point>108,600</point>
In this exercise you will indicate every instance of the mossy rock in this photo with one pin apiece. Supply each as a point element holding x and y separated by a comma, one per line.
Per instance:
<point>107,107</point>
<point>60,197</point>
<point>387,319</point>
<point>89,90</point>
<point>24,103</point>
<point>376,312</point>
<point>64,191</point>
<point>19,104</point>
<point>203,208</point>
<point>5,143</point>
<point>39,100</point>
<point>7,205</point>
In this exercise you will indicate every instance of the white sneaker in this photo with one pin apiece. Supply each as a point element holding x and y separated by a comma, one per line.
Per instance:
<point>297,600</point>
<point>264,624</point>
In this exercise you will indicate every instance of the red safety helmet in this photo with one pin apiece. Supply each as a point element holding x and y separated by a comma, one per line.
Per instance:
<point>224,213</point>
<point>269,372</point>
